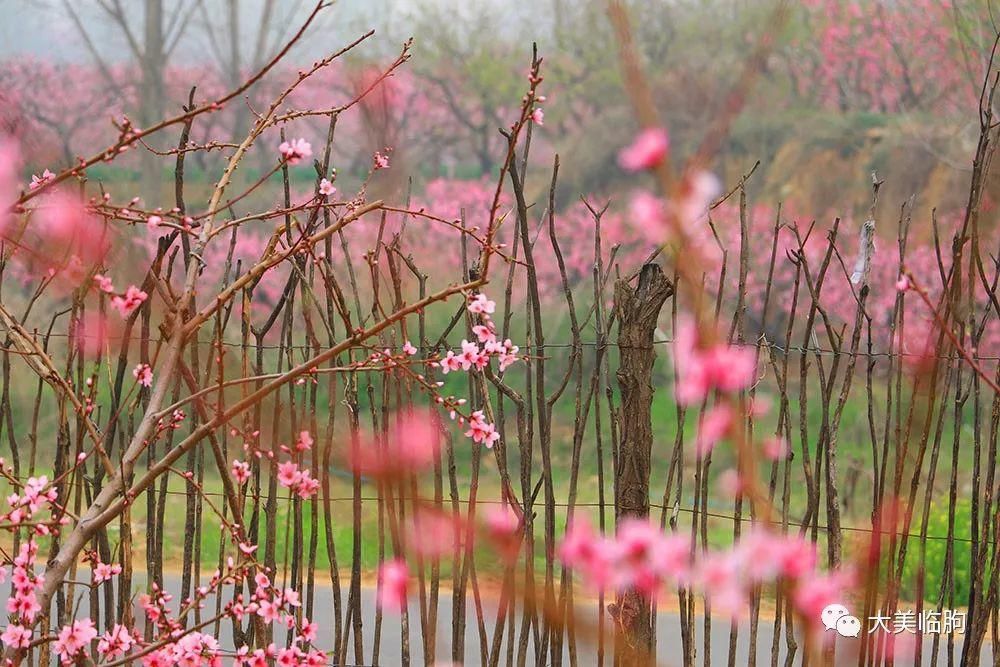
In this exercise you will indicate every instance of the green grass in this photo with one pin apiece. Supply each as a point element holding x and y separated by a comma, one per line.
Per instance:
<point>854,448</point>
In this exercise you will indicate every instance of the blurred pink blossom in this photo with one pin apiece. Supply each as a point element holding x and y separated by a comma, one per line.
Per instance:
<point>647,151</point>
<point>393,579</point>
<point>412,445</point>
<point>704,367</point>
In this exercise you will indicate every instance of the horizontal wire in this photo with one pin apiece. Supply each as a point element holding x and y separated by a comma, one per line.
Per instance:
<point>687,510</point>
<point>534,347</point>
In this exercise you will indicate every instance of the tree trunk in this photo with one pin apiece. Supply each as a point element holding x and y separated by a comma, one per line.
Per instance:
<point>638,311</point>
<point>152,99</point>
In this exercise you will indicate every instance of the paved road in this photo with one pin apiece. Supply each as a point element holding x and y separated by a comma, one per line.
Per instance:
<point>668,633</point>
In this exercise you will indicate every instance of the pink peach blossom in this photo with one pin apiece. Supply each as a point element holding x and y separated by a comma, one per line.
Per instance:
<point>649,214</point>
<point>304,442</point>
<point>295,151</point>
<point>143,374</point>
<point>702,367</point>
<point>16,636</point>
<point>412,445</point>
<point>582,549</point>
<point>106,571</point>
<point>241,471</point>
<point>482,431</point>
<point>481,305</point>
<point>451,362</point>
<point>775,448</point>
<point>719,575</point>
<point>74,638</point>
<point>326,188</point>
<point>39,181</point>
<point>647,151</point>
<point>393,578</point>
<point>310,630</point>
<point>636,557</point>
<point>812,594</point>
<point>433,533</point>
<point>504,530</point>
<point>289,474</point>
<point>104,283</point>
<point>715,426</point>
<point>115,642</point>
<point>132,299</point>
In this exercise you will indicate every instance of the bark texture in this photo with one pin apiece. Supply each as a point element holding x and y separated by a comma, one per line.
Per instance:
<point>638,310</point>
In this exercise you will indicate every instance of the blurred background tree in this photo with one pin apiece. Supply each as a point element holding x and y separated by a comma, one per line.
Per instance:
<point>851,87</point>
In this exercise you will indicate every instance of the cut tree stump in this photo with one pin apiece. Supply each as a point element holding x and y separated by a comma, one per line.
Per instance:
<point>638,311</point>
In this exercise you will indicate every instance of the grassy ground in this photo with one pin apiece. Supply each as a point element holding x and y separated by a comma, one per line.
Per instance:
<point>854,450</point>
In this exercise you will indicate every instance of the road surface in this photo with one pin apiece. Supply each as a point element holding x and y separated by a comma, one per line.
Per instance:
<point>667,628</point>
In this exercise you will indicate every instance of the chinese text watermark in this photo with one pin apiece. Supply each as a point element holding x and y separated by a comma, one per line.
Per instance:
<point>929,621</point>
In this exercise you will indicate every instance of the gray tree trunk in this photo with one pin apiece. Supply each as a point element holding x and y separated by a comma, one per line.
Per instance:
<point>638,310</point>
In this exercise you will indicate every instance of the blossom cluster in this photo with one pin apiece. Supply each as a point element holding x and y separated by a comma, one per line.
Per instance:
<point>275,605</point>
<point>393,581</point>
<point>73,640</point>
<point>22,605</point>
<point>380,159</point>
<point>35,495</point>
<point>705,366</point>
<point>143,374</point>
<point>473,357</point>
<point>642,557</point>
<point>478,358</point>
<point>433,533</point>
<point>412,445</point>
<point>105,571</point>
<point>66,238</point>
<point>482,431</point>
<point>129,301</point>
<point>177,417</point>
<point>172,644</point>
<point>506,351</point>
<point>290,475</point>
<point>680,218</point>
<point>295,151</point>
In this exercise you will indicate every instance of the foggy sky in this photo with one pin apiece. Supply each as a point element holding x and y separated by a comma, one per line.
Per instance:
<point>44,29</point>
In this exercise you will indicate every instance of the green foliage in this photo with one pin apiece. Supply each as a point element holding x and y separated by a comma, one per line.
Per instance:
<point>936,554</point>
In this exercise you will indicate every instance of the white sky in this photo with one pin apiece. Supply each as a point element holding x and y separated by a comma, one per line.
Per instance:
<point>43,28</point>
